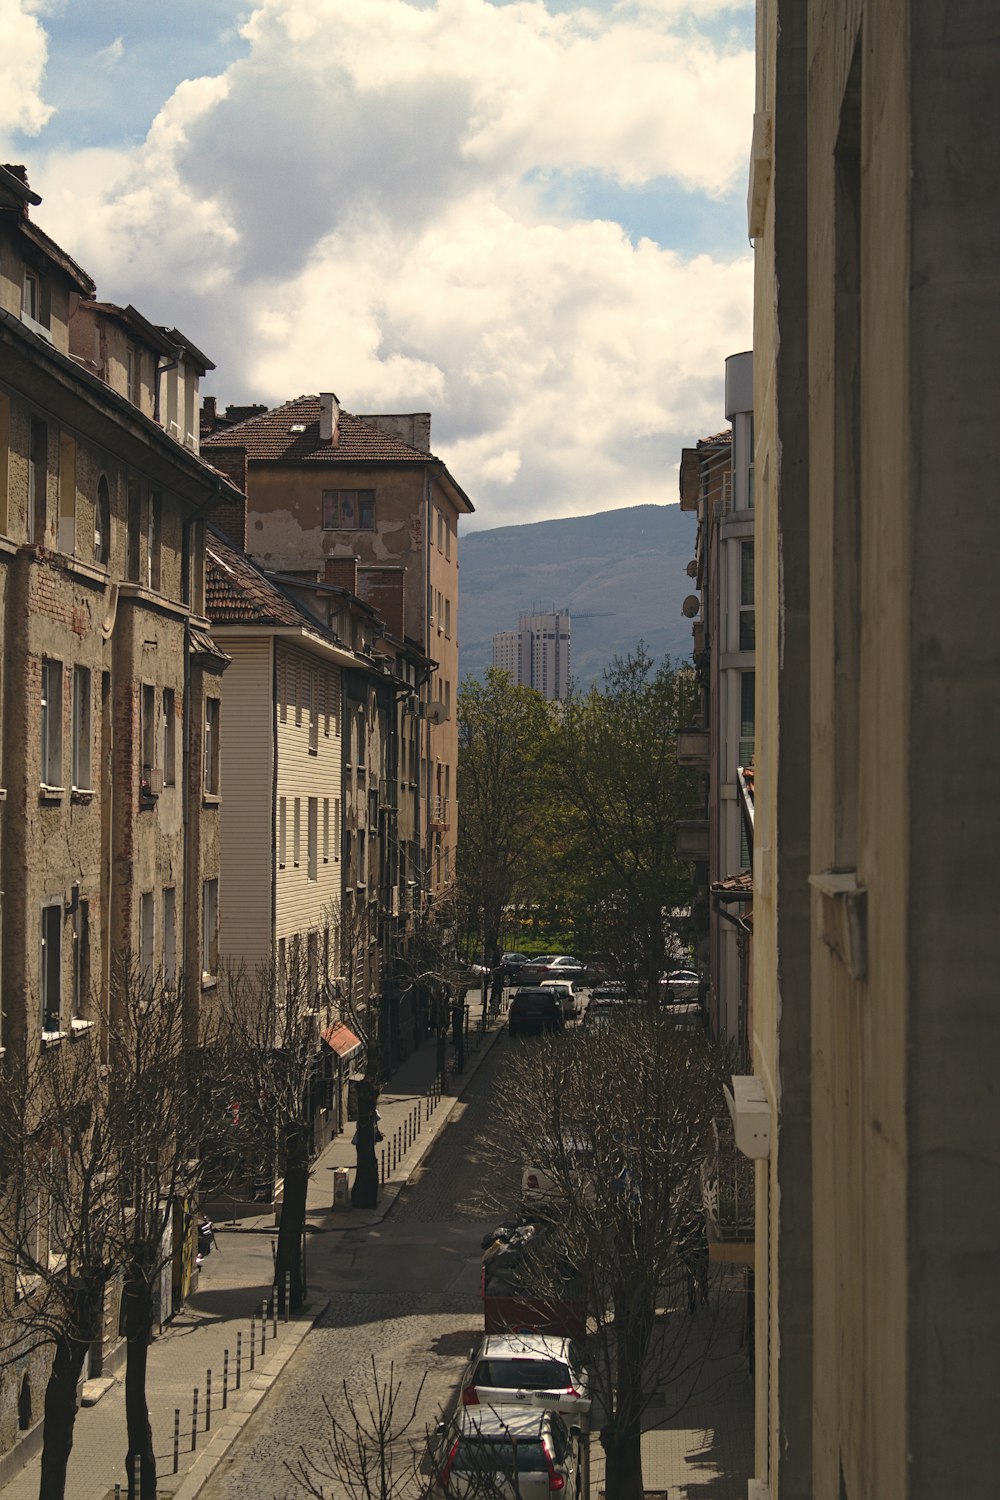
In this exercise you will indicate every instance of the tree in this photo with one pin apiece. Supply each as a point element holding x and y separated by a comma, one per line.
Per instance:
<point>503,732</point>
<point>620,1120</point>
<point>169,1085</point>
<point>276,1014</point>
<point>56,1226</point>
<point>105,1139</point>
<point>615,777</point>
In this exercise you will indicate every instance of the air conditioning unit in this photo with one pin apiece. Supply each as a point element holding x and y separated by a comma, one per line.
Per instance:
<point>434,712</point>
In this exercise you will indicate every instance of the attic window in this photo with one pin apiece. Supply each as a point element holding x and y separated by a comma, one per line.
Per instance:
<point>297,427</point>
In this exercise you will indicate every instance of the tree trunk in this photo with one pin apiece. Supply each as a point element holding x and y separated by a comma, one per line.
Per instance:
<point>138,1295</point>
<point>623,1462</point>
<point>364,1192</point>
<point>288,1257</point>
<point>621,1439</point>
<point>83,1326</point>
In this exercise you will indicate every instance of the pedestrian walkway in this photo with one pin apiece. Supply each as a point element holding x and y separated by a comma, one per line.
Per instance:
<point>214,1363</point>
<point>699,1446</point>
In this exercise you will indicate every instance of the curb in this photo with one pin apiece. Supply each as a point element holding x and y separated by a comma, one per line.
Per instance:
<point>208,1460</point>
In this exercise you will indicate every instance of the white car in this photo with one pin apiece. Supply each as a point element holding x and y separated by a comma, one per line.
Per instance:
<point>679,985</point>
<point>540,1190</point>
<point>511,1453</point>
<point>527,1369</point>
<point>567,995</point>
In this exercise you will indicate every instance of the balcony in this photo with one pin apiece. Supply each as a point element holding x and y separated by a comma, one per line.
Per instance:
<point>692,838</point>
<point>727,1194</point>
<point>439,814</point>
<point>692,748</point>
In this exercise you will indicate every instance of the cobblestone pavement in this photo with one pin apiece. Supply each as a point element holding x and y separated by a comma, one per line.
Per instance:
<point>405,1291</point>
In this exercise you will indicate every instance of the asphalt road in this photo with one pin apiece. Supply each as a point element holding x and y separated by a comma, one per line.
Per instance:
<point>405,1293</point>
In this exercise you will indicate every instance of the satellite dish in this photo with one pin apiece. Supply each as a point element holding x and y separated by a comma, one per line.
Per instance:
<point>692,568</point>
<point>691,606</point>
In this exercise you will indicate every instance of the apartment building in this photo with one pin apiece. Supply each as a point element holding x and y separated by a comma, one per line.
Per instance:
<point>875,217</point>
<point>111,687</point>
<point>538,654</point>
<point>326,486</point>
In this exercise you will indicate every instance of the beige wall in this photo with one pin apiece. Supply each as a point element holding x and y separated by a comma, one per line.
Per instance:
<point>246,924</point>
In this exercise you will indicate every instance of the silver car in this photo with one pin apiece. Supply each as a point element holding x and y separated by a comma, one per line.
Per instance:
<point>527,1369</point>
<point>509,1453</point>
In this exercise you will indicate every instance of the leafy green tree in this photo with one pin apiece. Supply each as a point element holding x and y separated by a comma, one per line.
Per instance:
<point>504,732</point>
<point>615,776</point>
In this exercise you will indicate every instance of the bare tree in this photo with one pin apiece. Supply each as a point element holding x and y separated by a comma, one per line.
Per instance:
<point>620,1121</point>
<point>57,1219</point>
<point>167,1097</point>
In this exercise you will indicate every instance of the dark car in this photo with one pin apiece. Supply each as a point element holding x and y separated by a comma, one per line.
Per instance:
<point>512,964</point>
<point>553,966</point>
<point>533,1011</point>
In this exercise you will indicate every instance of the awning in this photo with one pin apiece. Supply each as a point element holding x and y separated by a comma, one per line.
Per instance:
<point>342,1040</point>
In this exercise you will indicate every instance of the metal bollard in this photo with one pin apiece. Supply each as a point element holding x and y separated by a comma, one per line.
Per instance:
<point>136,1470</point>
<point>274,1310</point>
<point>263,1326</point>
<point>225,1379</point>
<point>288,1294</point>
<point>177,1438</point>
<point>194,1420</point>
<point>208,1400</point>
<point>118,1490</point>
<point>239,1360</point>
<point>381,1165</point>
<point>253,1339</point>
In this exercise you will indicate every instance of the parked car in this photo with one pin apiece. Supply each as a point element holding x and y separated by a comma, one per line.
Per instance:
<point>526,1369</point>
<point>533,1011</point>
<point>530,1283</point>
<point>611,989</point>
<point>567,995</point>
<point>540,1191</point>
<point>508,1451</point>
<point>553,966</point>
<point>679,985</point>
<point>600,1014</point>
<point>512,966</point>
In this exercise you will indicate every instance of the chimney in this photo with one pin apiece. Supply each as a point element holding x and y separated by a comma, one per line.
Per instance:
<point>208,417</point>
<point>329,419</point>
<point>342,572</point>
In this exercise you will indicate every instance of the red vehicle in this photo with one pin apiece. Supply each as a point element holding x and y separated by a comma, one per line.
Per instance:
<point>527,1283</point>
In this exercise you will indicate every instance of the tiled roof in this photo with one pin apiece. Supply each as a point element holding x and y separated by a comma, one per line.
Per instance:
<point>238,593</point>
<point>271,437</point>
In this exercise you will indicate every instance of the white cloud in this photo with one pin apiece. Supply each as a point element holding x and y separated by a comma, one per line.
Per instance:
<point>354,206</point>
<point>24,48</point>
<point>113,53</point>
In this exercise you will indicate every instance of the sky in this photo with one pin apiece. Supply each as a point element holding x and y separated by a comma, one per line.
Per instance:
<point>527,217</point>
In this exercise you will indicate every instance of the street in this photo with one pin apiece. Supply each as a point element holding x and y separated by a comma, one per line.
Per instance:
<point>406,1291</point>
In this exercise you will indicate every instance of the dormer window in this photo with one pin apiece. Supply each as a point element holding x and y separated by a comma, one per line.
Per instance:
<point>297,427</point>
<point>34,311</point>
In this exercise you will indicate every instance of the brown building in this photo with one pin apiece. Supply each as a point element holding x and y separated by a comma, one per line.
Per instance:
<point>875,213</point>
<point>325,486</point>
<point>109,807</point>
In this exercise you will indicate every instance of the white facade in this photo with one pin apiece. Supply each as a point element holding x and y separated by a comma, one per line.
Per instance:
<point>537,654</point>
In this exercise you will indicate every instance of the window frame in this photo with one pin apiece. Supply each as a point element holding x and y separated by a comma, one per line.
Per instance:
<point>51,969</point>
<point>212,757</point>
<point>347,510</point>
<point>82,730</point>
<point>50,736</point>
<point>210,930</point>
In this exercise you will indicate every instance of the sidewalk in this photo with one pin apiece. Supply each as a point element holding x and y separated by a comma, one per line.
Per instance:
<point>235,1282</point>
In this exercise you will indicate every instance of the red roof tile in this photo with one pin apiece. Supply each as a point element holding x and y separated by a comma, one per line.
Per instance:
<point>270,437</point>
<point>238,593</point>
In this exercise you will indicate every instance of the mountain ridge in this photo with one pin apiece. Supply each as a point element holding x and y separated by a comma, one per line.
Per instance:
<point>620,573</point>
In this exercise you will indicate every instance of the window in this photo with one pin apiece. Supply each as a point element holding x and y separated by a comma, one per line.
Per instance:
<point>81,960</point>
<point>102,522</point>
<point>447,617</point>
<point>135,529</point>
<point>38,478</point>
<point>313,714</point>
<point>154,524</point>
<point>440,519</point>
<point>169,738</point>
<point>82,733</point>
<point>67,492</point>
<point>348,510</point>
<point>312,838</point>
<point>169,936</point>
<point>51,986</point>
<point>327,694</point>
<point>362,848</point>
<point>146,936</point>
<point>132,374</point>
<point>747,631</point>
<point>336,830</point>
<point>213,708</point>
<point>147,738</point>
<point>296,673</point>
<point>296,829</point>
<point>282,831</point>
<point>51,722</point>
<point>35,302</point>
<point>326,830</point>
<point>747,710</point>
<point>210,929</point>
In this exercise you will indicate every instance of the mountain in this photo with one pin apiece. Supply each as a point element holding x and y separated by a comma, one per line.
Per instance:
<point>620,573</point>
